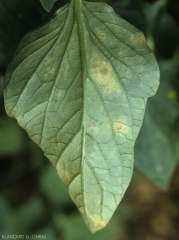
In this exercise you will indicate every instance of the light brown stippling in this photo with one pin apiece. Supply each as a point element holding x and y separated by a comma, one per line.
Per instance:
<point>120,127</point>
<point>139,40</point>
<point>104,74</point>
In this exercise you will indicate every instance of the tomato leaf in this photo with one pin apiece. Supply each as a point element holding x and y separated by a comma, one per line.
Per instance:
<point>79,86</point>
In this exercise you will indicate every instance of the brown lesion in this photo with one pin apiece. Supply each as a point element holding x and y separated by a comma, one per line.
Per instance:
<point>101,35</point>
<point>92,127</point>
<point>120,127</point>
<point>104,74</point>
<point>96,223</point>
<point>12,112</point>
<point>100,68</point>
<point>100,225</point>
<point>138,40</point>
<point>64,175</point>
<point>104,71</point>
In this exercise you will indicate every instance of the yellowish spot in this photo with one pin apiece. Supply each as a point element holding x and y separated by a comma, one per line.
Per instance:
<point>100,225</point>
<point>92,127</point>
<point>12,112</point>
<point>139,40</point>
<point>172,94</point>
<point>65,177</point>
<point>101,35</point>
<point>120,127</point>
<point>97,224</point>
<point>104,74</point>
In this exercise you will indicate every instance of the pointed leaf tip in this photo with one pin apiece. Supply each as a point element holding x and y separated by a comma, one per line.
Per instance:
<point>48,4</point>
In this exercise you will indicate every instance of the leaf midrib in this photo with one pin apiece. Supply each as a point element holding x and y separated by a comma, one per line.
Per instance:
<point>78,11</point>
<point>78,17</point>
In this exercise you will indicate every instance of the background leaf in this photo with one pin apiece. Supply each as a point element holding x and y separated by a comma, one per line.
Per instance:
<point>158,15</point>
<point>157,146</point>
<point>79,86</point>
<point>130,11</point>
<point>15,21</point>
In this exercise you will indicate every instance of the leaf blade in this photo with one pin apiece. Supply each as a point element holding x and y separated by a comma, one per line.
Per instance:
<point>83,99</point>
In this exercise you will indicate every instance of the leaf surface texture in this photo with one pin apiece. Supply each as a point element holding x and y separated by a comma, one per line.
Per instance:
<point>79,86</point>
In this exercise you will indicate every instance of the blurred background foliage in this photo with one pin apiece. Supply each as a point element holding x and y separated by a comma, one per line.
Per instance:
<point>33,200</point>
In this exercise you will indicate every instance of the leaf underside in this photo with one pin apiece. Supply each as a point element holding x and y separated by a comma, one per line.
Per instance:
<point>79,86</point>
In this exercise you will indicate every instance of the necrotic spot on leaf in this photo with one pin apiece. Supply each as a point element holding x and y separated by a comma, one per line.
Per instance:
<point>104,74</point>
<point>64,176</point>
<point>12,112</point>
<point>120,127</point>
<point>92,127</point>
<point>76,86</point>
<point>139,40</point>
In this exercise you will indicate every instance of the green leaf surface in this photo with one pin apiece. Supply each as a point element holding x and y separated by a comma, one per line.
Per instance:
<point>48,4</point>
<point>79,86</point>
<point>157,146</point>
